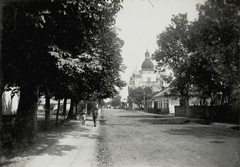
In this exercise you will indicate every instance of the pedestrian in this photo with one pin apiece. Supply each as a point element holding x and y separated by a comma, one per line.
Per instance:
<point>83,116</point>
<point>95,115</point>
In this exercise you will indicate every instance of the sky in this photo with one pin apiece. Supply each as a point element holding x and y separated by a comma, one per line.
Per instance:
<point>139,23</point>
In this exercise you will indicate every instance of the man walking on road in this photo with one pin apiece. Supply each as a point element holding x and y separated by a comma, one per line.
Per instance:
<point>95,115</point>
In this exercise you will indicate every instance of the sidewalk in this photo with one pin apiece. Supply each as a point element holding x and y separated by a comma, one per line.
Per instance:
<point>74,149</point>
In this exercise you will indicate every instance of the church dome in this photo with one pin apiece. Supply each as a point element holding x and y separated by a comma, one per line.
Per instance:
<point>147,64</point>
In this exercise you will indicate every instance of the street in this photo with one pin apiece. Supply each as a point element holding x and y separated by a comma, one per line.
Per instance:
<point>133,138</point>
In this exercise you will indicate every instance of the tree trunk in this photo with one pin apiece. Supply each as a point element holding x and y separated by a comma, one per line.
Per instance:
<point>86,108</point>
<point>223,97</point>
<point>75,113</point>
<point>47,110</point>
<point>188,113</point>
<point>27,114</point>
<point>1,83</point>
<point>64,108</point>
<point>70,113</point>
<point>1,125</point>
<point>56,124</point>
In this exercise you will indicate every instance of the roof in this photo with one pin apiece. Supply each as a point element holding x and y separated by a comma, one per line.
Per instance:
<point>147,64</point>
<point>151,84</point>
<point>164,92</point>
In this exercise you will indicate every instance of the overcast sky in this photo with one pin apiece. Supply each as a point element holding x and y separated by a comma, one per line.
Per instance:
<point>140,21</point>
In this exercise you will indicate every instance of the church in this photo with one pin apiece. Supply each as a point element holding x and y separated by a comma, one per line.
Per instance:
<point>148,77</point>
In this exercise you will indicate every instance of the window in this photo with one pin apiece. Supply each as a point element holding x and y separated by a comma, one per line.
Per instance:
<point>165,103</point>
<point>160,104</point>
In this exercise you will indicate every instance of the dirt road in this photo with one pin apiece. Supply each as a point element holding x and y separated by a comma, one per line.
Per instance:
<point>137,139</point>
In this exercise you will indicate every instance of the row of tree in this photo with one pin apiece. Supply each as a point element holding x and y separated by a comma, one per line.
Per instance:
<point>204,54</point>
<point>62,49</point>
<point>141,96</point>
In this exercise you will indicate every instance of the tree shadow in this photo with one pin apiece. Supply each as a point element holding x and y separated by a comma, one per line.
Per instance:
<point>165,120</point>
<point>47,139</point>
<point>203,131</point>
<point>144,116</point>
<point>60,150</point>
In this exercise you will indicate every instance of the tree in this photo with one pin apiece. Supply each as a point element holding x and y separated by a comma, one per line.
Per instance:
<point>216,48</point>
<point>136,96</point>
<point>32,31</point>
<point>148,94</point>
<point>204,54</point>
<point>140,96</point>
<point>116,101</point>
<point>173,53</point>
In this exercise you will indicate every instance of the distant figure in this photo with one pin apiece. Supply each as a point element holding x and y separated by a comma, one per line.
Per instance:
<point>95,115</point>
<point>83,116</point>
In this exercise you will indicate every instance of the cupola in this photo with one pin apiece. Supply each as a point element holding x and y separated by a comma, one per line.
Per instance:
<point>147,64</point>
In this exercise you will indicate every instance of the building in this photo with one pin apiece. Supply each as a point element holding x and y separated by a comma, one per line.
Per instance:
<point>164,101</point>
<point>148,77</point>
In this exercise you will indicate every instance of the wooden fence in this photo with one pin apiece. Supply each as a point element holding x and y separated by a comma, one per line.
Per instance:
<point>228,114</point>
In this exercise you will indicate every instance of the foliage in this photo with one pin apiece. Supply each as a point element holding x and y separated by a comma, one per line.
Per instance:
<point>204,54</point>
<point>57,38</point>
<point>140,95</point>
<point>61,46</point>
<point>116,101</point>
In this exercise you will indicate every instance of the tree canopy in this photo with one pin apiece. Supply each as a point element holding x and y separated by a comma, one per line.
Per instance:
<point>140,96</point>
<point>203,54</point>
<point>46,41</point>
<point>69,47</point>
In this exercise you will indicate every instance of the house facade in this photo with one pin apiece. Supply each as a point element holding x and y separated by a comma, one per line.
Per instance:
<point>164,101</point>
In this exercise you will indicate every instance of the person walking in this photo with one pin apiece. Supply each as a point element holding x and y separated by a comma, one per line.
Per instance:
<point>95,115</point>
<point>83,116</point>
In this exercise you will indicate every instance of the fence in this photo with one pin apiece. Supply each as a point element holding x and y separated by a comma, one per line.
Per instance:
<point>229,114</point>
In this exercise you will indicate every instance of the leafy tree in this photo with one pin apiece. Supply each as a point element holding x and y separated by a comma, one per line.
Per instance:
<point>46,39</point>
<point>173,53</point>
<point>140,96</point>
<point>203,54</point>
<point>148,94</point>
<point>216,48</point>
<point>136,96</point>
<point>116,101</point>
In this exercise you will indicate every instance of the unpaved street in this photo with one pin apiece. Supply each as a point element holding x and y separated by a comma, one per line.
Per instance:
<point>137,139</point>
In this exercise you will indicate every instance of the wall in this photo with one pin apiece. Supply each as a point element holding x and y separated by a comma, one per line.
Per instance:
<point>172,104</point>
<point>148,74</point>
<point>228,114</point>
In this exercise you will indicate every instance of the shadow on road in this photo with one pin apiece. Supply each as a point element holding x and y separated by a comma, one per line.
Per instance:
<point>144,116</point>
<point>202,131</point>
<point>164,120</point>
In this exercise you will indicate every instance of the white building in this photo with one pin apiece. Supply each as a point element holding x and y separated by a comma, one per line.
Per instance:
<point>165,101</point>
<point>148,77</point>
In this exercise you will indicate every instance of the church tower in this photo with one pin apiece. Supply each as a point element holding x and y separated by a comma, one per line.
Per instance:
<point>147,72</point>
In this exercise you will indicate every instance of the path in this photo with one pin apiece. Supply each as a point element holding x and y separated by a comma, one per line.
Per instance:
<point>75,148</point>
